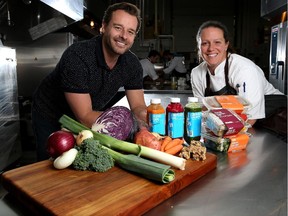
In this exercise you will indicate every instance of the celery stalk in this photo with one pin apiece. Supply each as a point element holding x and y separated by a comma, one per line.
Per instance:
<point>120,145</point>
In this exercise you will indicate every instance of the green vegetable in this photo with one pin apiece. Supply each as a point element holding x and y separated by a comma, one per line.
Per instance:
<point>92,156</point>
<point>124,146</point>
<point>148,169</point>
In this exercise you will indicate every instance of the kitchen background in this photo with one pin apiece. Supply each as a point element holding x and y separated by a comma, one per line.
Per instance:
<point>39,31</point>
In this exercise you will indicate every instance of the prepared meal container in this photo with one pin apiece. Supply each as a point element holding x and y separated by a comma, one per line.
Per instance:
<point>233,102</point>
<point>216,143</point>
<point>232,143</point>
<point>238,142</point>
<point>223,122</point>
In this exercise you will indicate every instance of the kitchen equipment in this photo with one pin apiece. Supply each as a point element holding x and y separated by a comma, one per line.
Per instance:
<point>278,57</point>
<point>174,82</point>
<point>48,191</point>
<point>10,147</point>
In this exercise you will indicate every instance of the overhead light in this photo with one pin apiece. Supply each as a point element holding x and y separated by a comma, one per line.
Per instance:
<point>92,24</point>
<point>284,16</point>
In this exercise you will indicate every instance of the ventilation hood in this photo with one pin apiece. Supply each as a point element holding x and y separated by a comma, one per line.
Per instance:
<point>23,20</point>
<point>71,9</point>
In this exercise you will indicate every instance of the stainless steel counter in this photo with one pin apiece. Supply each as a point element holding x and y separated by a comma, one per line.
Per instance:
<point>251,182</point>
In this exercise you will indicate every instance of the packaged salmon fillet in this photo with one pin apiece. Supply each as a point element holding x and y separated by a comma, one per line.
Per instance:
<point>234,102</point>
<point>230,102</point>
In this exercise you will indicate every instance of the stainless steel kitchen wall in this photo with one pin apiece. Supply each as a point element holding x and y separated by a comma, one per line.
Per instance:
<point>10,148</point>
<point>38,58</point>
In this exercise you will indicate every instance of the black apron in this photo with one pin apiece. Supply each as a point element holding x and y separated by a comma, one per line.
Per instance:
<point>226,90</point>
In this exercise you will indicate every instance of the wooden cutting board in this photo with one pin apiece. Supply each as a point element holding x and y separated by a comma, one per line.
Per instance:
<point>47,191</point>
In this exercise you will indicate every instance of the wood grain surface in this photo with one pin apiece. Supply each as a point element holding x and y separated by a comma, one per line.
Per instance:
<point>47,191</point>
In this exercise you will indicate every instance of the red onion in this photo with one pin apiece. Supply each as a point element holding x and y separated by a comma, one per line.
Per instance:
<point>60,142</point>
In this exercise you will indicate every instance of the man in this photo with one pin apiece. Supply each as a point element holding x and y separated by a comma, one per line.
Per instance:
<point>89,74</point>
<point>149,72</point>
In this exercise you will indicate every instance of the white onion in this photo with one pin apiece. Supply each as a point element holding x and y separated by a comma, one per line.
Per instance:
<point>66,159</point>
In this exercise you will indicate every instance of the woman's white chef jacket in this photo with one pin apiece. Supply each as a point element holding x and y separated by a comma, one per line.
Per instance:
<point>244,75</point>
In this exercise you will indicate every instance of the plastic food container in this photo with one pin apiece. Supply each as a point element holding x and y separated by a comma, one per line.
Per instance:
<point>238,142</point>
<point>223,122</point>
<point>233,102</point>
<point>216,143</point>
<point>232,143</point>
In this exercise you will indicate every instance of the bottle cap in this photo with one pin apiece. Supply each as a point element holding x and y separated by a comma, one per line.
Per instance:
<point>175,100</point>
<point>192,99</point>
<point>155,101</point>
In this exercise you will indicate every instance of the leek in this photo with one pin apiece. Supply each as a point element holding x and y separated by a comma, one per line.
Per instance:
<point>120,145</point>
<point>146,168</point>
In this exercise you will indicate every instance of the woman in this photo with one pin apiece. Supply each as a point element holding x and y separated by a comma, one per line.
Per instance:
<point>223,72</point>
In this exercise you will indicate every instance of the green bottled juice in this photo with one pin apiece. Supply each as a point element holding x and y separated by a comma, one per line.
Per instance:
<point>193,120</point>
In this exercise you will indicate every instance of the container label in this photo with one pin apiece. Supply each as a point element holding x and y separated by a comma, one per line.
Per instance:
<point>193,124</point>
<point>233,124</point>
<point>175,127</point>
<point>157,123</point>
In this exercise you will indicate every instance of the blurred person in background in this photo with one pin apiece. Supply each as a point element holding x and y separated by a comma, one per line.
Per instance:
<point>149,72</point>
<point>174,64</point>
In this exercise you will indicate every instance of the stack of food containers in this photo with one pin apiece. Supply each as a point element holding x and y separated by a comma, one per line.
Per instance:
<point>225,126</point>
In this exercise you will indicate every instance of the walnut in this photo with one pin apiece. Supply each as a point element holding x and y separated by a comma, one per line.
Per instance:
<point>195,151</point>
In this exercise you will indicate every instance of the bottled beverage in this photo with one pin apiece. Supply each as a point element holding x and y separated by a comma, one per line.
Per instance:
<point>193,119</point>
<point>175,119</point>
<point>156,116</point>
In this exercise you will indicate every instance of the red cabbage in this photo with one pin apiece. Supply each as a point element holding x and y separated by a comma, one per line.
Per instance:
<point>117,121</point>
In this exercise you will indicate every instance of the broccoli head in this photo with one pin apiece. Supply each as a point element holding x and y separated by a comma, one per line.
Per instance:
<point>91,156</point>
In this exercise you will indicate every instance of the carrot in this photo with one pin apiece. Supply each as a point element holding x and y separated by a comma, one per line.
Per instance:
<point>173,142</point>
<point>174,150</point>
<point>165,141</point>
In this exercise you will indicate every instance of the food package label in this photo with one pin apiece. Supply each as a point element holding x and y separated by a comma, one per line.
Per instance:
<point>233,124</point>
<point>175,125</point>
<point>238,142</point>
<point>157,123</point>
